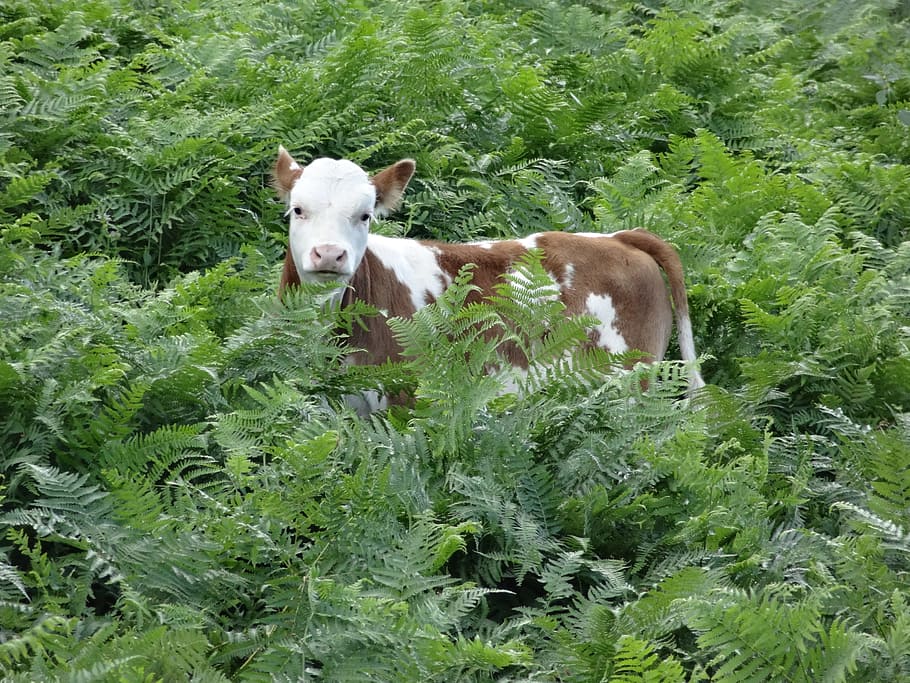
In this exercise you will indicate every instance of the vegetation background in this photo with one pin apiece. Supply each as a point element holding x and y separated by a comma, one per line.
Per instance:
<point>184,496</point>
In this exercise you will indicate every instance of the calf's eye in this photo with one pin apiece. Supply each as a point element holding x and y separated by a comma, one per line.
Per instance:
<point>365,217</point>
<point>298,211</point>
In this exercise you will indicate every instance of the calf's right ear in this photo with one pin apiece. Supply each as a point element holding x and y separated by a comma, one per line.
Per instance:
<point>285,173</point>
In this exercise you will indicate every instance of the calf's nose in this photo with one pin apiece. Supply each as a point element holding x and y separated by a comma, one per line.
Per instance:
<point>329,257</point>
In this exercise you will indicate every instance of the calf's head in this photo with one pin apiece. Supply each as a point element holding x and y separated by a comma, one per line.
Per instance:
<point>330,206</point>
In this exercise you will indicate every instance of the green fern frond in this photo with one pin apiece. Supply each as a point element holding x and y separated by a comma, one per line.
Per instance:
<point>473,656</point>
<point>270,344</point>
<point>23,188</point>
<point>765,636</point>
<point>453,343</point>
<point>528,301</point>
<point>635,660</point>
<point>662,609</point>
<point>137,501</point>
<point>10,578</point>
<point>67,493</point>
<point>576,28</point>
<point>894,535</point>
<point>241,645</point>
<point>518,537</point>
<point>407,572</point>
<point>157,455</point>
<point>115,421</point>
<point>886,460</point>
<point>273,415</point>
<point>37,640</point>
<point>739,132</point>
<point>617,198</point>
<point>890,652</point>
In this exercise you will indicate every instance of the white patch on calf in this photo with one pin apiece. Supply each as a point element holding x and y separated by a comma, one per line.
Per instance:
<point>597,234</point>
<point>687,351</point>
<point>366,402</point>
<point>529,242</point>
<point>601,307</point>
<point>415,266</point>
<point>568,276</point>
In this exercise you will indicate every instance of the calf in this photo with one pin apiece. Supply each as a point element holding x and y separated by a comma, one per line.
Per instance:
<point>615,278</point>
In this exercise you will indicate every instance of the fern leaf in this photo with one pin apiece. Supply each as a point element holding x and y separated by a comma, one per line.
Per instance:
<point>36,640</point>
<point>9,576</point>
<point>635,660</point>
<point>765,636</point>
<point>894,535</point>
<point>22,189</point>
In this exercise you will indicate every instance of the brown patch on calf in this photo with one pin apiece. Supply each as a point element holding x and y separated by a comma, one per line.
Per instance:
<point>490,266</point>
<point>667,258</point>
<point>617,268</point>
<point>289,275</point>
<point>378,286</point>
<point>607,266</point>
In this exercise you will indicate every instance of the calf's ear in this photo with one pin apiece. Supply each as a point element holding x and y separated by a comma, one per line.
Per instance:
<point>285,173</point>
<point>390,184</point>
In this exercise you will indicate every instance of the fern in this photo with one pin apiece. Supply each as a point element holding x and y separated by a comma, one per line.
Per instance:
<point>620,198</point>
<point>460,340</point>
<point>35,641</point>
<point>894,643</point>
<point>636,661</point>
<point>792,648</point>
<point>528,301</point>
<point>663,610</point>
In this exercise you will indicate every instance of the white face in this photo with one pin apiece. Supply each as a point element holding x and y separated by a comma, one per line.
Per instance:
<point>330,207</point>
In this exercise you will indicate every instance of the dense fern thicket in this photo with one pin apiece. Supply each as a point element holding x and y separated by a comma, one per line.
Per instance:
<point>183,495</point>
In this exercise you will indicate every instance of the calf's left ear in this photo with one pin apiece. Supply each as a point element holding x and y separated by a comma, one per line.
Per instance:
<point>390,184</point>
<point>285,173</point>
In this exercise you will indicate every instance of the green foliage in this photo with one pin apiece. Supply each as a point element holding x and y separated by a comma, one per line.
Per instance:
<point>765,637</point>
<point>185,494</point>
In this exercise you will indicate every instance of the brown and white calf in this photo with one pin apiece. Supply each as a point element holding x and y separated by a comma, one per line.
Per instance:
<point>615,278</point>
